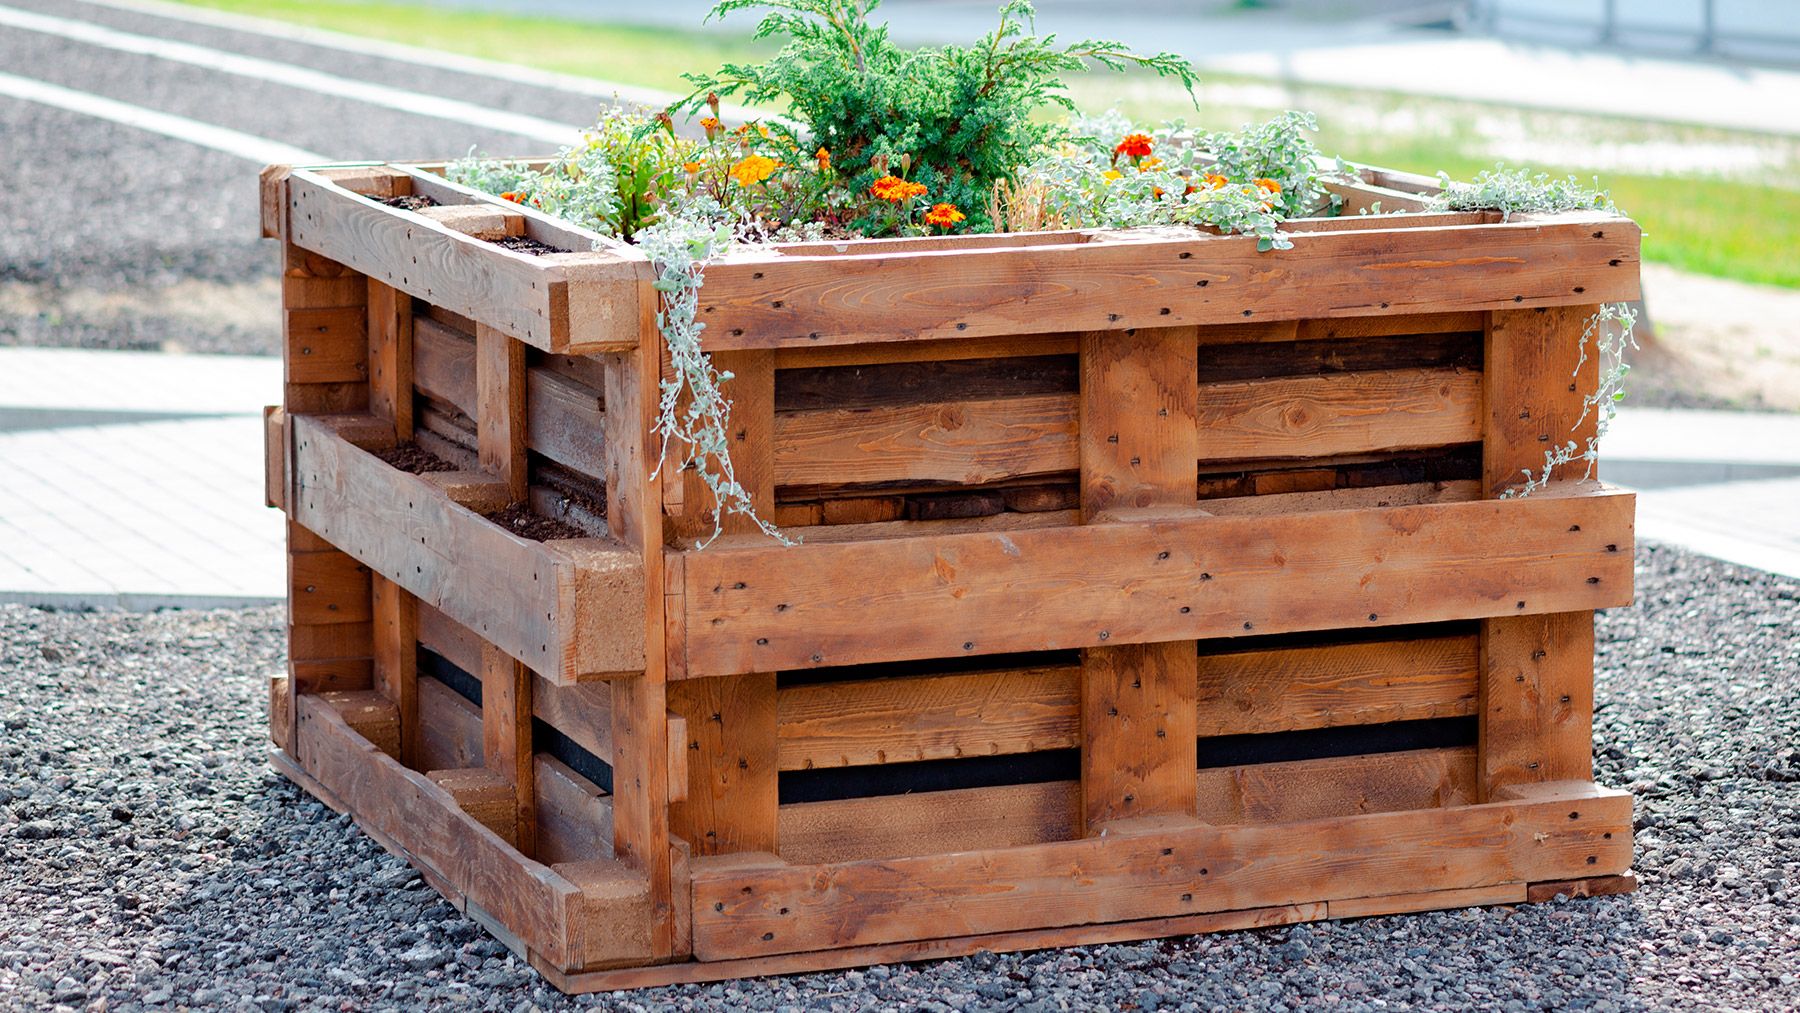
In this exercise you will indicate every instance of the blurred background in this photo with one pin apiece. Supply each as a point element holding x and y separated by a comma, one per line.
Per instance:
<point>139,312</point>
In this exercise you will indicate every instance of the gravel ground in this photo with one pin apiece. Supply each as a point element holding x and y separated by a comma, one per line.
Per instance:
<point>151,859</point>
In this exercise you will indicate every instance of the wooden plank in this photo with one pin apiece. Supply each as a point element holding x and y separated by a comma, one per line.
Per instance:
<point>1284,689</point>
<point>281,713</point>
<point>1138,443</point>
<point>582,712</point>
<point>1051,588</point>
<point>275,473</point>
<point>777,300</point>
<point>506,735</point>
<point>444,364</point>
<point>756,910</point>
<point>1591,886</point>
<point>326,345</point>
<point>1301,790</point>
<point>574,818</point>
<point>565,421</point>
<point>752,440</point>
<point>331,641</point>
<point>1340,413</point>
<point>370,715</point>
<point>931,822</point>
<point>332,673</point>
<point>405,806</point>
<point>586,304</point>
<point>731,795</point>
<point>865,721</point>
<point>326,588</point>
<point>478,220</point>
<point>449,729</point>
<point>452,640</point>
<point>500,409</point>
<point>561,592</point>
<point>969,442</point>
<point>330,301</point>
<point>395,668</point>
<point>1537,699</point>
<point>929,949</point>
<point>1534,391</point>
<point>640,726</point>
<point>1430,900</point>
<point>485,795</point>
<point>390,370</point>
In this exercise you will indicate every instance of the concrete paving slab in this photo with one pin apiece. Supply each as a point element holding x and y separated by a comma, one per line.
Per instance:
<point>1755,524</point>
<point>69,379</point>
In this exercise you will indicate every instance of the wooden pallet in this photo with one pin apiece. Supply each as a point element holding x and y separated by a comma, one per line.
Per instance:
<point>1147,584</point>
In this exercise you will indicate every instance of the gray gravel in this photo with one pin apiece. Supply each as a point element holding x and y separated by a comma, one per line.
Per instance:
<point>152,860</point>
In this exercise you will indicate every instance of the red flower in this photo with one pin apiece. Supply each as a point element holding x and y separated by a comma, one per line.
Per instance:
<point>1134,146</point>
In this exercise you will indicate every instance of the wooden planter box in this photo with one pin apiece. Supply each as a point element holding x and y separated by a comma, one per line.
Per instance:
<point>1148,584</point>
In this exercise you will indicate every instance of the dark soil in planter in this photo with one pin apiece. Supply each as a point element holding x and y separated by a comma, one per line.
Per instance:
<point>411,202</point>
<point>519,520</point>
<point>525,244</point>
<point>414,459</point>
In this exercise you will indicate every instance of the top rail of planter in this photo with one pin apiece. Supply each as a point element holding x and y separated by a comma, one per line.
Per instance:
<point>942,288</point>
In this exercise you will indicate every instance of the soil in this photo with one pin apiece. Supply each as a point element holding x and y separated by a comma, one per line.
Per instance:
<point>411,202</point>
<point>519,520</point>
<point>414,459</point>
<point>524,244</point>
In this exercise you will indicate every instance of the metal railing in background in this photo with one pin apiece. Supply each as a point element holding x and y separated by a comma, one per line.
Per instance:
<point>1748,30</point>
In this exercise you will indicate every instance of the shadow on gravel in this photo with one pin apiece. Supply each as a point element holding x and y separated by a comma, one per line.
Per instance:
<point>225,887</point>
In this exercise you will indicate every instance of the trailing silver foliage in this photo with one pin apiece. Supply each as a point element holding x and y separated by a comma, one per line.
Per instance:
<point>1610,334</point>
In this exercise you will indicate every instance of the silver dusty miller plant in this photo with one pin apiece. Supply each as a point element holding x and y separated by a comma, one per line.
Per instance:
<point>1609,333</point>
<point>679,245</point>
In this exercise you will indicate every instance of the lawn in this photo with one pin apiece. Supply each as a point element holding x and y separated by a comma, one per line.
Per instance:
<point>1710,201</point>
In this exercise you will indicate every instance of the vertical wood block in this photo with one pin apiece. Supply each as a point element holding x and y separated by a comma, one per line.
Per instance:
<point>1139,445</point>
<point>689,504</point>
<point>1537,672</point>
<point>324,334</point>
<point>500,407</point>
<point>1534,391</point>
<point>1537,700</point>
<point>640,723</point>
<point>731,764</point>
<point>396,629</point>
<point>506,735</point>
<point>390,329</point>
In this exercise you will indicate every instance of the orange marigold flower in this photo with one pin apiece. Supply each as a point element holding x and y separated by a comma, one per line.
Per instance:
<point>1268,184</point>
<point>516,198</point>
<point>1150,163</point>
<point>753,169</point>
<point>1214,181</point>
<point>824,158</point>
<point>1134,146</point>
<point>710,124</point>
<point>944,214</point>
<point>896,189</point>
<point>691,168</point>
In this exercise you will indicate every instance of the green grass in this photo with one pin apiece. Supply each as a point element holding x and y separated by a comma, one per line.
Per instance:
<point>1740,224</point>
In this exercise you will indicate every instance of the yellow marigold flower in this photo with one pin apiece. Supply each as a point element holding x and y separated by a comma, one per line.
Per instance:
<point>1214,181</point>
<point>1267,184</point>
<point>945,215</point>
<point>1150,163</point>
<point>753,169</point>
<point>896,189</point>
<point>1110,175</point>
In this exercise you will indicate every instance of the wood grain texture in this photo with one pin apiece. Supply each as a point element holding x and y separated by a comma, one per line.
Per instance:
<point>743,911</point>
<point>1062,587</point>
<point>1537,700</point>
<point>395,669</point>
<point>689,506</point>
<point>1282,689</point>
<point>1534,390</point>
<point>500,409</point>
<point>731,764</point>
<point>406,807</point>
<point>588,303</point>
<point>324,311</point>
<point>1591,886</point>
<point>449,729</point>
<point>327,588</point>
<point>1339,413</point>
<point>452,557</point>
<point>1163,279</point>
<point>506,736</point>
<point>574,818</point>
<point>868,721</point>
<point>390,369</point>
<point>1300,790</point>
<point>969,442</point>
<point>1430,900</point>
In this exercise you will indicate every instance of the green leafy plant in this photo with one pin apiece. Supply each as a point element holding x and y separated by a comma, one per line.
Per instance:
<point>963,115</point>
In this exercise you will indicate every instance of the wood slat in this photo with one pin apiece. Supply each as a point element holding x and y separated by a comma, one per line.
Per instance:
<point>865,721</point>
<point>395,668</point>
<point>731,790</point>
<point>1339,413</point>
<point>1054,588</point>
<point>500,409</point>
<point>391,357</point>
<point>1286,689</point>
<point>449,729</point>
<point>574,818</point>
<point>782,300</point>
<point>1537,700</point>
<point>506,736</point>
<point>1300,790</point>
<point>560,592</point>
<point>969,442</point>
<point>586,304</point>
<point>744,909</point>
<point>405,806</point>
